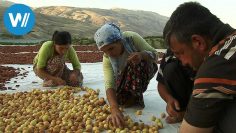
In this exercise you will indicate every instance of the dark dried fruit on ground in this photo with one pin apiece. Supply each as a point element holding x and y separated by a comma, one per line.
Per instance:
<point>6,73</point>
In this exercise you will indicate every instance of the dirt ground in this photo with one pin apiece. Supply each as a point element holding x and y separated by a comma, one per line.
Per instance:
<point>26,54</point>
<point>6,73</point>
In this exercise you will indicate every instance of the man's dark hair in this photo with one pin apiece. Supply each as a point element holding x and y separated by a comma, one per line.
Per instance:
<point>166,31</point>
<point>192,18</point>
<point>61,38</point>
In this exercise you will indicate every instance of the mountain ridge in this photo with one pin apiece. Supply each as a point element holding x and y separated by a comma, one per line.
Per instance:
<point>83,22</point>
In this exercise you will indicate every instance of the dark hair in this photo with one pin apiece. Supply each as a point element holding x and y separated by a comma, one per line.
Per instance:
<point>61,38</point>
<point>166,30</point>
<point>192,18</point>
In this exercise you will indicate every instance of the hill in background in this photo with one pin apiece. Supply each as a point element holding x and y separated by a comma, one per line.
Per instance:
<point>83,22</point>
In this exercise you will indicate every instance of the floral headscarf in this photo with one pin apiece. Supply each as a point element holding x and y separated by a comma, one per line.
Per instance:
<point>107,34</point>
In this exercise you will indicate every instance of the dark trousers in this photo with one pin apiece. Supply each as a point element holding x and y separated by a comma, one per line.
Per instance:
<point>227,120</point>
<point>178,82</point>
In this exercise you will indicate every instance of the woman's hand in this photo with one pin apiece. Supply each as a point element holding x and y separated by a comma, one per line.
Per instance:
<point>117,118</point>
<point>74,78</point>
<point>135,57</point>
<point>59,81</point>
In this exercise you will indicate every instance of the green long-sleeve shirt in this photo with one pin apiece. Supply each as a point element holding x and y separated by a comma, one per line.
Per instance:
<point>47,51</point>
<point>139,43</point>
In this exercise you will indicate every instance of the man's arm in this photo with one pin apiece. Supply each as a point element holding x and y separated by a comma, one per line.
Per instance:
<point>165,95</point>
<point>172,103</point>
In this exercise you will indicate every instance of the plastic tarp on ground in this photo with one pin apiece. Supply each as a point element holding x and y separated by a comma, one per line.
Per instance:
<point>93,78</point>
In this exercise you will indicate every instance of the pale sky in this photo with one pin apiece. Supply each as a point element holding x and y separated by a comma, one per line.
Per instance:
<point>223,9</point>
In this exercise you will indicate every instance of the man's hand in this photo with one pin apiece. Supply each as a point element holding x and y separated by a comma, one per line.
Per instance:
<point>172,107</point>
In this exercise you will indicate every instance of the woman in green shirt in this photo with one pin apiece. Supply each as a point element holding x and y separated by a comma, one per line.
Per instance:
<point>49,63</point>
<point>129,63</point>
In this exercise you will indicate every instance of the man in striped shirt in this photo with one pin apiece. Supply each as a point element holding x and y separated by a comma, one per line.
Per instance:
<point>199,39</point>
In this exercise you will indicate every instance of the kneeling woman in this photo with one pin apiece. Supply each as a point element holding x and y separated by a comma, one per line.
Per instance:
<point>49,63</point>
<point>129,63</point>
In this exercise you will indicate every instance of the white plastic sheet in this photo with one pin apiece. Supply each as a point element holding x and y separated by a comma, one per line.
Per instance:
<point>93,78</point>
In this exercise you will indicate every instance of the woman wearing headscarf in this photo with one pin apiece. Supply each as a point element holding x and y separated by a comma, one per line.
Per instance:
<point>49,63</point>
<point>129,63</point>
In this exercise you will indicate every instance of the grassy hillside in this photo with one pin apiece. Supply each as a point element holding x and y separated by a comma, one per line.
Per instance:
<point>83,22</point>
<point>151,23</point>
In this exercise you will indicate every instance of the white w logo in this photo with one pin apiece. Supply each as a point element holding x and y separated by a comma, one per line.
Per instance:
<point>14,22</point>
